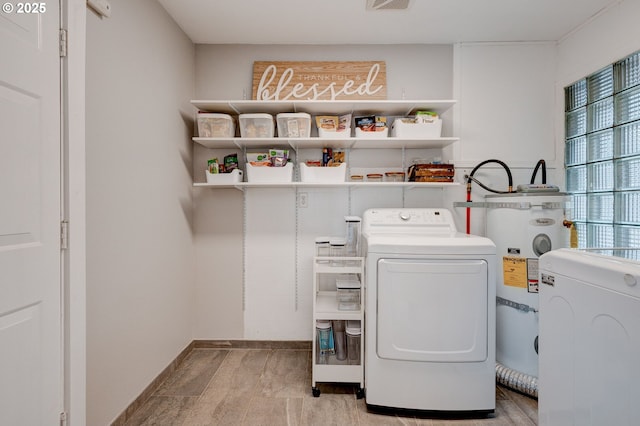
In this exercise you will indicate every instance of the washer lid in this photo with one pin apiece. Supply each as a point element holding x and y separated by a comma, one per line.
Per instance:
<point>456,243</point>
<point>614,273</point>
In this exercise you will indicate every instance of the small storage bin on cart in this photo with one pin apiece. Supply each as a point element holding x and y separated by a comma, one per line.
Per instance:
<point>256,125</point>
<point>234,176</point>
<point>332,174</point>
<point>405,128</point>
<point>265,174</point>
<point>294,125</point>
<point>213,125</point>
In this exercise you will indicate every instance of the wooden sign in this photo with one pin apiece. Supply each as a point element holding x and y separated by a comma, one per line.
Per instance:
<point>282,80</point>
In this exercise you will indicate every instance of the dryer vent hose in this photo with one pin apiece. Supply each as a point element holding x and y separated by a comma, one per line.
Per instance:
<point>517,380</point>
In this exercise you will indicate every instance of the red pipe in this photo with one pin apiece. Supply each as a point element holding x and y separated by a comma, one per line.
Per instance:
<point>468,209</point>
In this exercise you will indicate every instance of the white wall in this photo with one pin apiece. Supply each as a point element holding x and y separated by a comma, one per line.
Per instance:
<point>140,257</point>
<point>505,110</point>
<point>277,279</point>
<point>74,20</point>
<point>607,38</point>
<point>505,92</point>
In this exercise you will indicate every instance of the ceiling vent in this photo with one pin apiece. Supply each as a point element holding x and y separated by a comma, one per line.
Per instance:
<point>387,4</point>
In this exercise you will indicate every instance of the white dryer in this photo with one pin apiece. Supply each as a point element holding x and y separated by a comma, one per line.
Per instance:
<point>430,313</point>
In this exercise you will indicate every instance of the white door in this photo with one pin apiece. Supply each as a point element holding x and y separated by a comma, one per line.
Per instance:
<point>30,189</point>
<point>432,310</point>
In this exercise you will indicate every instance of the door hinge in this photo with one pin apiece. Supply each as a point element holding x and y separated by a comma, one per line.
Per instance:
<point>63,43</point>
<point>64,235</point>
<point>63,419</point>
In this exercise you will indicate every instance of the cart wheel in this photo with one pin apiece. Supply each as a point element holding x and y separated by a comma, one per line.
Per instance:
<point>316,392</point>
<point>360,393</point>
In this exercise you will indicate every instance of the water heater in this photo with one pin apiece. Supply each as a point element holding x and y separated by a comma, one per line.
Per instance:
<point>523,226</point>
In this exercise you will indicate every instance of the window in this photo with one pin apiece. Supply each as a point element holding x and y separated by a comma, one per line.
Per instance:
<point>602,157</point>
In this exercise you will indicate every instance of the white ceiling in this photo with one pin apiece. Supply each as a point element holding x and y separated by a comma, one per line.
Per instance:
<point>347,21</point>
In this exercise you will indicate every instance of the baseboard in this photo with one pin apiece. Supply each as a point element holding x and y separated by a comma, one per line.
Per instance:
<point>204,344</point>
<point>153,386</point>
<point>252,344</point>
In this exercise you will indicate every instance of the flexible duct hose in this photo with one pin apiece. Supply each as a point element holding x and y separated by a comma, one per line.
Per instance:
<point>470,179</point>
<point>516,380</point>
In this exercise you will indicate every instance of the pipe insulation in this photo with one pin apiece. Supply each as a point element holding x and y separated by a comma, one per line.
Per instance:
<point>517,380</point>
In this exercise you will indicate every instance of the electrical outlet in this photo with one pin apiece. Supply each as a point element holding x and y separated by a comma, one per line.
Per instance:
<point>303,200</point>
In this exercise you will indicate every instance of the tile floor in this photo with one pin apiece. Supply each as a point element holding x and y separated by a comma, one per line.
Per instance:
<point>273,387</point>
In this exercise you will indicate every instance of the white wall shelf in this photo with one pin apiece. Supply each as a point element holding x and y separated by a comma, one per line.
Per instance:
<point>407,185</point>
<point>387,107</point>
<point>306,143</point>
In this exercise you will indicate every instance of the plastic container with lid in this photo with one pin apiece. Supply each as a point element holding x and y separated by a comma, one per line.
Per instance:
<point>337,249</point>
<point>324,341</point>
<point>353,332</point>
<point>394,176</point>
<point>354,224</point>
<point>294,125</point>
<point>322,246</point>
<point>214,125</point>
<point>348,292</point>
<point>256,125</point>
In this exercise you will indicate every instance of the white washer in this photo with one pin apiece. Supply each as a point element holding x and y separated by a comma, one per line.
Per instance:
<point>430,313</point>
<point>589,339</point>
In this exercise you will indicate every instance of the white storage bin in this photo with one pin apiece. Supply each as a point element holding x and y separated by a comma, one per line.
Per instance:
<point>224,178</point>
<point>328,134</point>
<point>294,125</point>
<point>212,125</point>
<point>264,174</point>
<point>256,125</point>
<point>372,135</point>
<point>401,129</point>
<point>333,174</point>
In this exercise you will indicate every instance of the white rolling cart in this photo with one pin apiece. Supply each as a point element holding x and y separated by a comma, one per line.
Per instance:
<point>327,367</point>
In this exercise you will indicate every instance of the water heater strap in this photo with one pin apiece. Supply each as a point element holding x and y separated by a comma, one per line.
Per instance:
<point>515,305</point>
<point>513,205</point>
